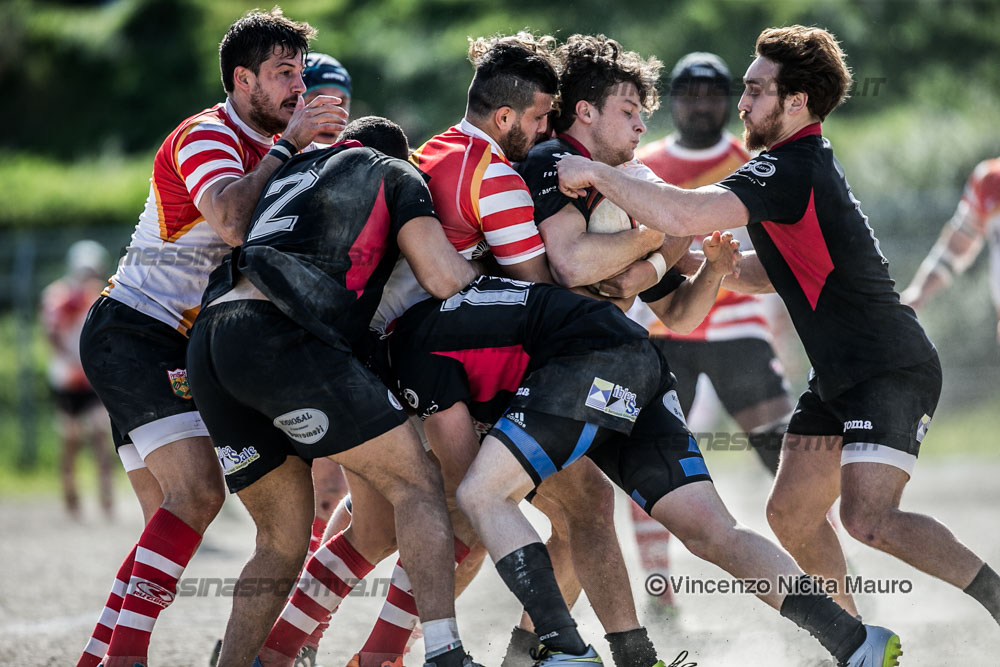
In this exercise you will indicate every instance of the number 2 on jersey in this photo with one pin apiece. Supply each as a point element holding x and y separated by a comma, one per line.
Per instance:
<point>270,220</point>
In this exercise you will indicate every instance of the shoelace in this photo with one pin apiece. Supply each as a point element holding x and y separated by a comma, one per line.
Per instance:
<point>682,656</point>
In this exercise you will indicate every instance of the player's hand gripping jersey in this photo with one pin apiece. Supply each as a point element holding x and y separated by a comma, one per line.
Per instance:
<point>173,249</point>
<point>824,261</point>
<point>322,240</point>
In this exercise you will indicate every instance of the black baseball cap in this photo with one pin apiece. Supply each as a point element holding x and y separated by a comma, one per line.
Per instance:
<point>324,70</point>
<point>700,66</point>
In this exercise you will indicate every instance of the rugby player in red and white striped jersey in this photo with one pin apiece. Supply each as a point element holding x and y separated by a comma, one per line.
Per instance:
<point>207,177</point>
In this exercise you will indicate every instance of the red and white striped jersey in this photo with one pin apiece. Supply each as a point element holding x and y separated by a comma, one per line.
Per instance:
<point>734,315</point>
<point>173,249</point>
<point>979,210</point>
<point>483,204</point>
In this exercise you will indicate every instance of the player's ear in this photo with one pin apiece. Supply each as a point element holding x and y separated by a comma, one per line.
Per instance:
<point>585,111</point>
<point>504,117</point>
<point>796,103</point>
<point>243,78</point>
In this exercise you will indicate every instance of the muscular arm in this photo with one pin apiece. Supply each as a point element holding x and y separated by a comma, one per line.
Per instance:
<point>534,270</point>
<point>664,207</point>
<point>955,250</point>
<point>228,203</point>
<point>436,264</point>
<point>578,257</point>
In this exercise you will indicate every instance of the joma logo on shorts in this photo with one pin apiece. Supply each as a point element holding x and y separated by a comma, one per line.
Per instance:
<point>858,425</point>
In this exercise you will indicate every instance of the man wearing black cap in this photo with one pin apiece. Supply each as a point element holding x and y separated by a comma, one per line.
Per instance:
<point>701,152</point>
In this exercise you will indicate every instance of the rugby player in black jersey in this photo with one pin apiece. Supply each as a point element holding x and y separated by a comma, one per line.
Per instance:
<point>876,378</point>
<point>272,362</point>
<point>592,384</point>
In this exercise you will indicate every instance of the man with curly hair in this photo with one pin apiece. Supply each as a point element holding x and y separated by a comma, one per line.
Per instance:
<point>857,429</point>
<point>605,89</point>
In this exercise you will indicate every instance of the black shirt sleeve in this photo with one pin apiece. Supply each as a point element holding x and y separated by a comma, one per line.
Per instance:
<point>774,187</point>
<point>671,280</point>
<point>542,178</point>
<point>406,193</point>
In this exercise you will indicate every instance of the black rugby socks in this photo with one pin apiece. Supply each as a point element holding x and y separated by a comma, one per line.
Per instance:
<point>528,574</point>
<point>840,633</point>
<point>985,589</point>
<point>632,648</point>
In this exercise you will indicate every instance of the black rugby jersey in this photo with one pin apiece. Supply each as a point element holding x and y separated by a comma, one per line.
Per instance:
<point>824,261</point>
<point>322,240</point>
<point>541,175</point>
<point>477,346</point>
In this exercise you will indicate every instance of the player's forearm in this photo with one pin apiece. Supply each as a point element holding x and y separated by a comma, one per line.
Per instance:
<point>686,308</point>
<point>752,278</point>
<point>233,205</point>
<point>672,210</point>
<point>590,258</point>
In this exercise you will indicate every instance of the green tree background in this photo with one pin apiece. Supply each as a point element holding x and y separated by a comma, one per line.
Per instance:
<point>91,88</point>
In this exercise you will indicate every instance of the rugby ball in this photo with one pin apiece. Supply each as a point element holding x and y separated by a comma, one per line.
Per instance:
<point>606,217</point>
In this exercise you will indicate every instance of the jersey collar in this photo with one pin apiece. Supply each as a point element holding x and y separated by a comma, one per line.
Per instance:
<point>261,139</point>
<point>465,127</point>
<point>808,130</point>
<point>575,144</point>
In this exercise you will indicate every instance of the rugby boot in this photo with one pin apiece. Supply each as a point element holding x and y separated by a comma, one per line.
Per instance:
<point>457,657</point>
<point>545,657</point>
<point>881,649</point>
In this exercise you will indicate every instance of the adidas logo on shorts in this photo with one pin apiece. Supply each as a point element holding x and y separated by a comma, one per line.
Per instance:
<point>516,417</point>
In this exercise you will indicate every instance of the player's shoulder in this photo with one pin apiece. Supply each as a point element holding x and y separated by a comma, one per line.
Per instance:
<point>986,173</point>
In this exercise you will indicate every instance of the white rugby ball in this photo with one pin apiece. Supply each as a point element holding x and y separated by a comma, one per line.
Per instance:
<point>606,217</point>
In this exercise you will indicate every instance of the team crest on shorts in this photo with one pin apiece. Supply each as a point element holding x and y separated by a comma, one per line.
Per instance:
<point>612,399</point>
<point>179,383</point>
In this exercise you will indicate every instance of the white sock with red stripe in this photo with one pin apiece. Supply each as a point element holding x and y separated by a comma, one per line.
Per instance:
<point>399,612</point>
<point>161,554</point>
<point>654,547</point>
<point>328,578</point>
<point>97,647</point>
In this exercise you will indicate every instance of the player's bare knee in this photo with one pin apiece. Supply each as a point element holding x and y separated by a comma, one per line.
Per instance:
<point>862,523</point>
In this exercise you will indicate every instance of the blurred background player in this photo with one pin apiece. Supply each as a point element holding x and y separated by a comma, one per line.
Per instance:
<point>324,75</point>
<point>976,218</point>
<point>82,420</point>
<point>701,151</point>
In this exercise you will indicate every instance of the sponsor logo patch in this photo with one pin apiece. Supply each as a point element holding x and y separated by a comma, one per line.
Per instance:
<point>306,425</point>
<point>612,399</point>
<point>179,383</point>
<point>858,425</point>
<point>673,405</point>
<point>234,461</point>
<point>922,426</point>
<point>158,595</point>
<point>523,391</point>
